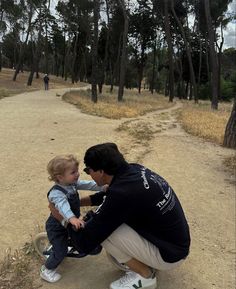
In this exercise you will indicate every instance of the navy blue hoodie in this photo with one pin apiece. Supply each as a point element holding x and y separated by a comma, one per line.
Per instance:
<point>145,202</point>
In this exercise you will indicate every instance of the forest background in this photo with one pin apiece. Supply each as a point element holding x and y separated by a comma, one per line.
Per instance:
<point>171,47</point>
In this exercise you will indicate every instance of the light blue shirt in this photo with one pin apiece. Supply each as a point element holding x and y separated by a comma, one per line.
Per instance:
<point>60,200</point>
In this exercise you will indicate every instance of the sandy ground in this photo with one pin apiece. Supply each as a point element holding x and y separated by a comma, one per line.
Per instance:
<point>36,126</point>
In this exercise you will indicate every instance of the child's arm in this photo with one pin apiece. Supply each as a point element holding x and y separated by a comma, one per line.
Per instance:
<point>61,203</point>
<point>90,186</point>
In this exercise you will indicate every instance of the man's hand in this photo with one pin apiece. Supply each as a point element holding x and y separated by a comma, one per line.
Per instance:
<point>55,212</point>
<point>105,188</point>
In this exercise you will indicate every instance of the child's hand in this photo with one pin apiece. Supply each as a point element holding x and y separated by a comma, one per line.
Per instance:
<point>105,188</point>
<point>76,222</point>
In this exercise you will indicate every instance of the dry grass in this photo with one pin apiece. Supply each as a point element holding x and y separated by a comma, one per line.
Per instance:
<point>141,131</point>
<point>4,93</point>
<point>133,105</point>
<point>9,87</point>
<point>203,122</point>
<point>17,269</point>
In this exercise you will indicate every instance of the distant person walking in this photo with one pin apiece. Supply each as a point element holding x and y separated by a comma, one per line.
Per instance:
<point>46,81</point>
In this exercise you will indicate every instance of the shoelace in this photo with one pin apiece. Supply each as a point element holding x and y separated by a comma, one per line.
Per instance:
<point>129,276</point>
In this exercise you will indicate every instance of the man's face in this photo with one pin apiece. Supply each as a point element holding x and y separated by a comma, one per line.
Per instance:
<point>97,176</point>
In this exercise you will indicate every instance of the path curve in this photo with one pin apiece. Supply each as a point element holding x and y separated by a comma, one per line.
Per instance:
<point>36,126</point>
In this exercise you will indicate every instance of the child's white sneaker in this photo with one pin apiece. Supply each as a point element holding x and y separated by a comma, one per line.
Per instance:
<point>133,280</point>
<point>49,275</point>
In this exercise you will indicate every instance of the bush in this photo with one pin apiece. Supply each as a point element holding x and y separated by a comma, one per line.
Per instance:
<point>227,90</point>
<point>204,91</point>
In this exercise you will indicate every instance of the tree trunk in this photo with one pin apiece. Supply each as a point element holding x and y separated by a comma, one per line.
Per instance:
<point>153,66</point>
<point>219,60</point>
<point>141,67</point>
<point>200,66</point>
<point>0,57</point>
<point>105,64</point>
<point>63,56</point>
<point>170,51</point>
<point>123,54</point>
<point>213,57</point>
<point>111,76</point>
<point>74,58</point>
<point>116,67</point>
<point>67,59</point>
<point>230,131</point>
<point>36,55</point>
<point>31,75</point>
<point>95,51</point>
<point>22,48</point>
<point>46,48</point>
<point>188,51</point>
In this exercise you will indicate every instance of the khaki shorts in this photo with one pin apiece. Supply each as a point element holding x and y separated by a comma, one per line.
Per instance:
<point>125,243</point>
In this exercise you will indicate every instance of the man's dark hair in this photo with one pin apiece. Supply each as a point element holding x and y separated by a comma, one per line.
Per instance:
<point>104,157</point>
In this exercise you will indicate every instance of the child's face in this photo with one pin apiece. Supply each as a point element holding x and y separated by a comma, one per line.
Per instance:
<point>70,176</point>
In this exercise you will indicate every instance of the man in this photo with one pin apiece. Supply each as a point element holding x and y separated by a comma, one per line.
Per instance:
<point>140,221</point>
<point>46,81</point>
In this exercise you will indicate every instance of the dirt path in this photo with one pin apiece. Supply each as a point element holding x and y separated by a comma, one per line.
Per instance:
<point>36,126</point>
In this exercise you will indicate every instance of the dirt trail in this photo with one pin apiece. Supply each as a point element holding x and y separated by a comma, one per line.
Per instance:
<point>36,126</point>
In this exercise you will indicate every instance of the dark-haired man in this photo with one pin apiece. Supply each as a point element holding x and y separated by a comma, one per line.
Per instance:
<point>140,221</point>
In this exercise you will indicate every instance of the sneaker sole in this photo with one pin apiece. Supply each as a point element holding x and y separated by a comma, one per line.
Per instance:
<point>45,279</point>
<point>149,287</point>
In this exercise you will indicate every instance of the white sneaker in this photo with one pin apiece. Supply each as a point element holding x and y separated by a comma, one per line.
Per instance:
<point>49,275</point>
<point>133,280</point>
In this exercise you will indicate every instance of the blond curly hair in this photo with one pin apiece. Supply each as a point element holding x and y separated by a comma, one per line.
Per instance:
<point>59,164</point>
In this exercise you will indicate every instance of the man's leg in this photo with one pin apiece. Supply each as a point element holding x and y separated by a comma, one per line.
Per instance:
<point>126,245</point>
<point>141,256</point>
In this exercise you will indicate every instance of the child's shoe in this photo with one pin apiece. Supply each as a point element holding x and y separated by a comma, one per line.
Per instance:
<point>133,280</point>
<point>49,275</point>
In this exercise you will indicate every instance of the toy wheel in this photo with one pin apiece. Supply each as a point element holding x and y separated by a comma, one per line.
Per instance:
<point>41,244</point>
<point>118,265</point>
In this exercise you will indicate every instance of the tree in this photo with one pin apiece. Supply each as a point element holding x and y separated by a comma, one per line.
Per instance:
<point>37,51</point>
<point>213,56</point>
<point>7,7</point>
<point>27,12</point>
<point>188,50</point>
<point>116,28</point>
<point>141,31</point>
<point>96,9</point>
<point>230,130</point>
<point>170,49</point>
<point>123,51</point>
<point>76,17</point>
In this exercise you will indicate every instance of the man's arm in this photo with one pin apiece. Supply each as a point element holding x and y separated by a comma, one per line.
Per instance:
<point>111,215</point>
<point>55,212</point>
<point>85,201</point>
<point>61,204</point>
